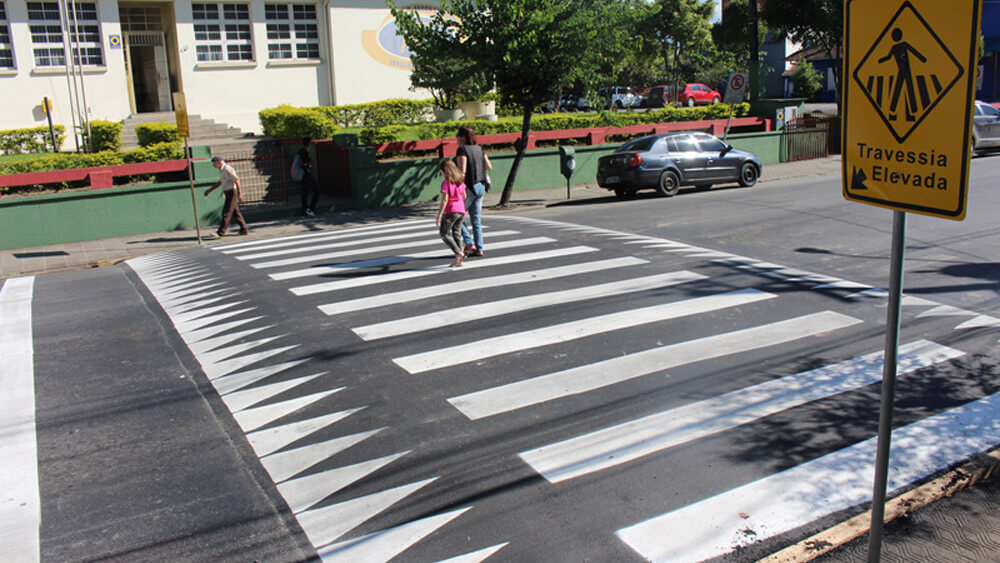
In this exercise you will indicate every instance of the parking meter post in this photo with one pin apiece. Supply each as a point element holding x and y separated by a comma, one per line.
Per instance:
<point>567,165</point>
<point>728,122</point>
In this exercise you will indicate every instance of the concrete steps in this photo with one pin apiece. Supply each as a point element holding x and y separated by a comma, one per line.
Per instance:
<point>202,129</point>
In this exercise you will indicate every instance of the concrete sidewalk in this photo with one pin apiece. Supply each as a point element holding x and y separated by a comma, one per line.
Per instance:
<point>961,523</point>
<point>88,254</point>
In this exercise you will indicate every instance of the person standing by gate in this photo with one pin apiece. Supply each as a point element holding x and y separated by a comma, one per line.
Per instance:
<point>307,183</point>
<point>473,164</point>
<point>230,184</point>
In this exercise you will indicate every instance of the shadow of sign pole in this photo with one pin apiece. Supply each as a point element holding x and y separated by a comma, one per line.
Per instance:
<point>184,130</point>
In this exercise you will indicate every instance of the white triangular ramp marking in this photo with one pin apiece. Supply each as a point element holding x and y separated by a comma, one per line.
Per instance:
<point>910,301</point>
<point>271,440</point>
<point>176,308</point>
<point>945,311</point>
<point>222,354</point>
<point>211,344</point>
<point>240,400</point>
<point>980,321</point>
<point>565,332</point>
<point>806,493</point>
<point>326,524</point>
<point>252,419</point>
<point>622,443</point>
<point>208,333</point>
<point>185,328</point>
<point>842,284</point>
<point>304,492</point>
<point>195,294</point>
<point>219,369</point>
<point>476,556</point>
<point>284,465</point>
<point>191,317</point>
<point>386,544</point>
<point>229,383</point>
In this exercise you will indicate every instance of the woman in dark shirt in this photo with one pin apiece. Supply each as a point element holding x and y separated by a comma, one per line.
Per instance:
<point>474,164</point>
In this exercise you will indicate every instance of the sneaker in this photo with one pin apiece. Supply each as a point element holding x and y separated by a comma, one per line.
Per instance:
<point>216,235</point>
<point>456,263</point>
<point>475,253</point>
<point>310,213</point>
<point>469,249</point>
<point>244,233</point>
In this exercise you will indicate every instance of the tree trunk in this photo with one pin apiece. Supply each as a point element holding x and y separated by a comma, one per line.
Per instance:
<point>508,187</point>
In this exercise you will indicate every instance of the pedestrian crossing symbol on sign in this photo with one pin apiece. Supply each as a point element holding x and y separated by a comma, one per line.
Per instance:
<point>906,72</point>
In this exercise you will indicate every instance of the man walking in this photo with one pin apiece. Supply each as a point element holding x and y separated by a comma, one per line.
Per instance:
<point>308,184</point>
<point>230,184</point>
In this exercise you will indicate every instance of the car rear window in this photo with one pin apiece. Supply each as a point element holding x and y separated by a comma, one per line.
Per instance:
<point>642,144</point>
<point>988,109</point>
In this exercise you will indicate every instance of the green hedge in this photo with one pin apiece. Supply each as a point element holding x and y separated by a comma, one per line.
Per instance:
<point>150,134</point>
<point>289,122</point>
<point>559,121</point>
<point>379,114</point>
<point>30,140</point>
<point>69,160</point>
<point>107,135</point>
<point>384,134</point>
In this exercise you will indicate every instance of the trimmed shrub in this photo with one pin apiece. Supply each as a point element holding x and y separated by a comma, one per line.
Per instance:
<point>155,133</point>
<point>30,140</point>
<point>384,134</point>
<point>289,122</point>
<point>154,153</point>
<point>378,114</point>
<point>106,135</point>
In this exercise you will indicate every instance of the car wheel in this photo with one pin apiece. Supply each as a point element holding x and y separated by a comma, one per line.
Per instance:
<point>669,183</point>
<point>690,102</point>
<point>748,175</point>
<point>715,100</point>
<point>618,105</point>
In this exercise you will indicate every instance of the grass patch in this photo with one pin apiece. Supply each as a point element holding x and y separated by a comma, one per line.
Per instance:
<point>9,158</point>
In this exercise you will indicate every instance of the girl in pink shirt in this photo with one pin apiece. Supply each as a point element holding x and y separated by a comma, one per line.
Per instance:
<point>452,210</point>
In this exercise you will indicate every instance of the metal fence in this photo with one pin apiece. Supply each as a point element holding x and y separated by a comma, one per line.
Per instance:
<point>808,138</point>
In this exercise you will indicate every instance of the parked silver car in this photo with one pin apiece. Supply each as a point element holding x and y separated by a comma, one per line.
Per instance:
<point>667,161</point>
<point>985,127</point>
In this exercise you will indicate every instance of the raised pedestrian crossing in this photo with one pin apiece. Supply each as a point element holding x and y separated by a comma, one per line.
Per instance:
<point>330,429</point>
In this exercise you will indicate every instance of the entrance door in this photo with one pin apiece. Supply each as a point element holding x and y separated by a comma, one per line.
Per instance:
<point>147,58</point>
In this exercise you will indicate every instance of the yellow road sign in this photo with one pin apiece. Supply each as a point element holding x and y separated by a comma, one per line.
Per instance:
<point>909,84</point>
<point>181,115</point>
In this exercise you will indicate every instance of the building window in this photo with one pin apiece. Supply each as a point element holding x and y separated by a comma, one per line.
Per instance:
<point>6,47</point>
<point>292,32</point>
<point>47,34</point>
<point>222,32</point>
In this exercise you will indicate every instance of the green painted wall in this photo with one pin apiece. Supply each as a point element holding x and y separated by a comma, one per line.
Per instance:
<point>90,215</point>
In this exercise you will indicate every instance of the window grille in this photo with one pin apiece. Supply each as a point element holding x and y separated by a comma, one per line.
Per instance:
<point>45,26</point>
<point>6,46</point>
<point>292,32</point>
<point>222,32</point>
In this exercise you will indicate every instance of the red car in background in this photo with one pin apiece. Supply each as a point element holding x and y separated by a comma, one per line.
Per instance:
<point>690,94</point>
<point>695,93</point>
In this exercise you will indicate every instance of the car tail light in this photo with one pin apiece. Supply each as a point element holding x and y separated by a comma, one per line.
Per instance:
<point>634,159</point>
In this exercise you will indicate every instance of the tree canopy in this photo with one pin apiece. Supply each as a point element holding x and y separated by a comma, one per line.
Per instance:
<point>812,23</point>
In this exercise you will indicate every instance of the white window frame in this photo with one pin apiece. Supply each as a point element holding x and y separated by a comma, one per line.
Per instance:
<point>45,26</point>
<point>7,60</point>
<point>292,32</point>
<point>223,32</point>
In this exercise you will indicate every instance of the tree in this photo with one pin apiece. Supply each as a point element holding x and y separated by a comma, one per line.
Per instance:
<point>808,81</point>
<point>813,23</point>
<point>529,47</point>
<point>732,35</point>
<point>681,30</point>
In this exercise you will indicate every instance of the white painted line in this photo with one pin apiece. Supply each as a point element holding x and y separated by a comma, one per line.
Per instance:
<point>20,502</point>
<point>252,419</point>
<point>785,501</point>
<point>218,369</point>
<point>565,332</point>
<point>476,556</point>
<point>368,250</point>
<point>485,310</point>
<point>328,245</point>
<point>632,440</point>
<point>326,524</point>
<point>573,381</point>
<point>239,400</point>
<point>386,544</point>
<point>416,294</point>
<point>443,254</point>
<point>229,383</point>
<point>297,239</point>
<point>210,344</point>
<point>304,492</point>
<point>376,279</point>
<point>222,354</point>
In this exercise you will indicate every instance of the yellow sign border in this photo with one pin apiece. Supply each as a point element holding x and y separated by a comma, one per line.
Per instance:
<point>956,211</point>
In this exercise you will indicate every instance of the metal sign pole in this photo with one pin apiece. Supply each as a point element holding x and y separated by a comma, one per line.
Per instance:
<point>194,201</point>
<point>888,384</point>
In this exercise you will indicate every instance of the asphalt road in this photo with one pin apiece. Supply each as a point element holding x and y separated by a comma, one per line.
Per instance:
<point>691,377</point>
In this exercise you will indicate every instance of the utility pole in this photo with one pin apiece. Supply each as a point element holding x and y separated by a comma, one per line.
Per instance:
<point>754,53</point>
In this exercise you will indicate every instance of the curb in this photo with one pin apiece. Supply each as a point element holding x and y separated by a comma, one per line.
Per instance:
<point>964,476</point>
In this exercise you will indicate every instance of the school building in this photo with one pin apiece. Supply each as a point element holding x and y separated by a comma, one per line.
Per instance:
<point>229,59</point>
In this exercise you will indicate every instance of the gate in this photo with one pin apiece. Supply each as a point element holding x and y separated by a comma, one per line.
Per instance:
<point>807,138</point>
